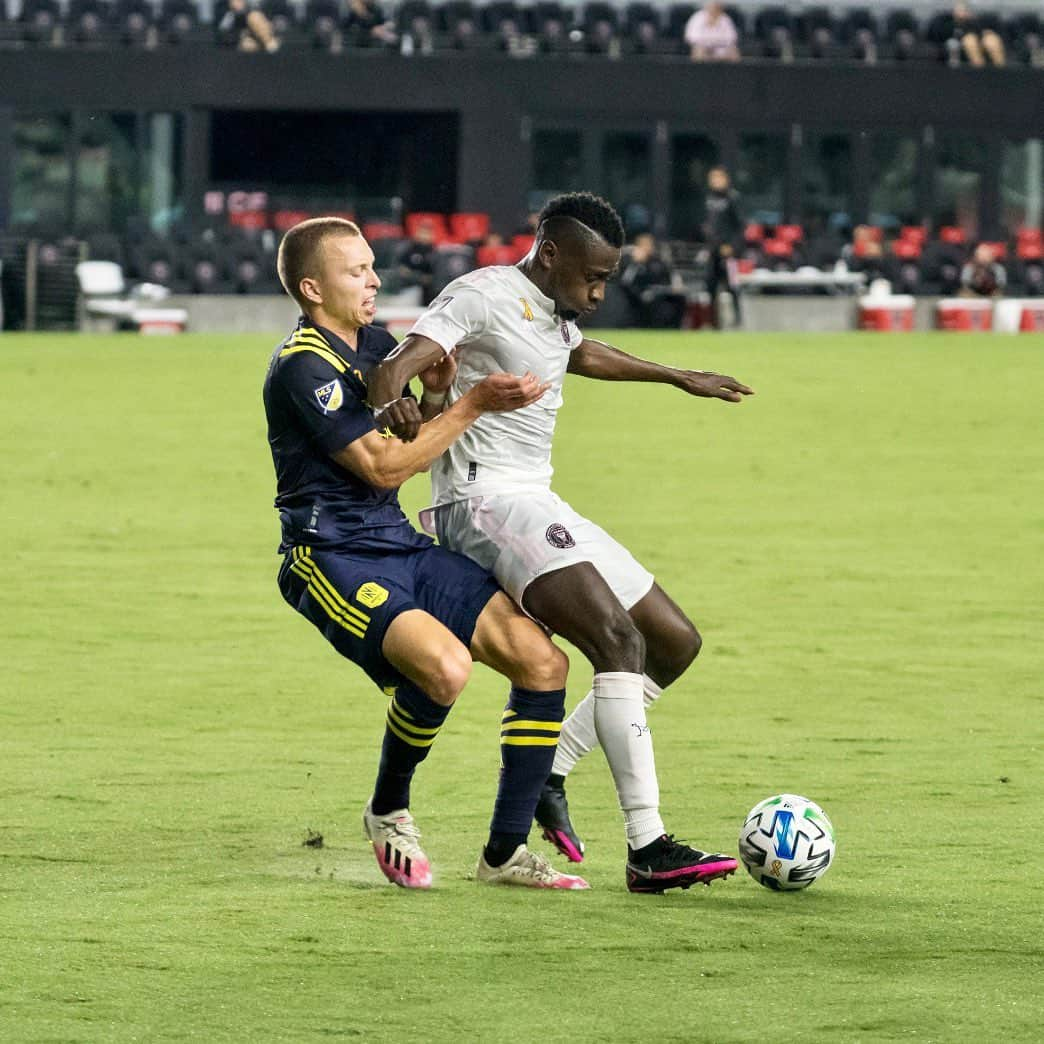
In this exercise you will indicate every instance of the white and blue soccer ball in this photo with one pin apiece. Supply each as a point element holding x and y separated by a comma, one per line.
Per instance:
<point>787,842</point>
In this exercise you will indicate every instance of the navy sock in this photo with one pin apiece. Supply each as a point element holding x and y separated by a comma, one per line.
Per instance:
<point>410,729</point>
<point>528,737</point>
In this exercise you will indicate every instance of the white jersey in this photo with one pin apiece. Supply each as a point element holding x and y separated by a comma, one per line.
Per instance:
<point>501,323</point>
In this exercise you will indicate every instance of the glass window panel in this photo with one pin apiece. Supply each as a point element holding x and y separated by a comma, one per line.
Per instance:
<point>41,172</point>
<point>558,161</point>
<point>1022,184</point>
<point>959,162</point>
<point>107,178</point>
<point>761,176</point>
<point>626,169</point>
<point>160,193</point>
<point>826,179</point>
<point>693,155</point>
<point>893,180</point>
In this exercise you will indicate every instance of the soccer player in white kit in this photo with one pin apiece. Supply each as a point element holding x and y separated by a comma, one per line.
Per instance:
<point>493,502</point>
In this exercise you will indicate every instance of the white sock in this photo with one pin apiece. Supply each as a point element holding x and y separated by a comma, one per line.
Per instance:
<point>577,738</point>
<point>619,718</point>
<point>652,691</point>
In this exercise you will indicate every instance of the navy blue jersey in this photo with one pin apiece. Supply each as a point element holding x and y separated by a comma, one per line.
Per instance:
<point>315,401</point>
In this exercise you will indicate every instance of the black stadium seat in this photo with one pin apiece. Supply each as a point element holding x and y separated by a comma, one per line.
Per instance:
<point>600,25</point>
<point>819,32</point>
<point>642,29</point>
<point>775,29</point>
<point>178,21</point>
<point>859,34</point>
<point>135,21</point>
<point>323,21</point>
<point>459,20</point>
<point>903,35</point>
<point>678,16</point>
<point>40,21</point>
<point>87,21</point>
<point>1024,35</point>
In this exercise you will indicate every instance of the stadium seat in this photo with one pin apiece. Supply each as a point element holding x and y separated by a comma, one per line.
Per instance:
<point>415,17</point>
<point>790,233</point>
<point>1024,36</point>
<point>459,21</point>
<point>600,25</point>
<point>941,268</point>
<point>322,21</point>
<point>496,255</point>
<point>819,32</point>
<point>642,29</point>
<point>135,21</point>
<point>859,34</point>
<point>469,227</point>
<point>437,223</point>
<point>902,33</point>
<point>282,15</point>
<point>907,249</point>
<point>40,20</point>
<point>1029,244</point>
<point>374,231</point>
<point>448,263</point>
<point>952,234</point>
<point>87,21</point>
<point>678,16</point>
<point>178,21</point>
<point>904,273</point>
<point>522,244</point>
<point>551,23</point>
<point>775,30</point>
<point>1028,277</point>
<point>913,234</point>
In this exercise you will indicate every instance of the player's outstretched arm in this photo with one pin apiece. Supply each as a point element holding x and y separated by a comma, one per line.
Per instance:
<point>401,416</point>
<point>387,462</point>
<point>603,362</point>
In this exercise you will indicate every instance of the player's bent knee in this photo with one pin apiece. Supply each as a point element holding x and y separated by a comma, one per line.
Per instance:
<point>546,669</point>
<point>620,645</point>
<point>449,675</point>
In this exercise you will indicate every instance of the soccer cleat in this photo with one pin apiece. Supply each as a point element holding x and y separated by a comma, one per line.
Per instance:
<point>396,845</point>
<point>528,869</point>
<point>552,813</point>
<point>667,863</point>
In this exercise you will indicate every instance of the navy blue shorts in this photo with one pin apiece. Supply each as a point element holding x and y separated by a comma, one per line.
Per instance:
<point>353,598</point>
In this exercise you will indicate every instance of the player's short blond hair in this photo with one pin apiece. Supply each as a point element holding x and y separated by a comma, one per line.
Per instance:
<point>300,252</point>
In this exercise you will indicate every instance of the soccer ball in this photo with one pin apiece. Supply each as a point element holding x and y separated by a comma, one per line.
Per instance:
<point>787,842</point>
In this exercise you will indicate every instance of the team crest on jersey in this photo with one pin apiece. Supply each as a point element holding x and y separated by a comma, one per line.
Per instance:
<point>560,537</point>
<point>371,595</point>
<point>330,396</point>
<point>527,312</point>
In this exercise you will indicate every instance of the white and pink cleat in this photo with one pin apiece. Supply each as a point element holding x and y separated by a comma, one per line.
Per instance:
<point>396,846</point>
<point>529,870</point>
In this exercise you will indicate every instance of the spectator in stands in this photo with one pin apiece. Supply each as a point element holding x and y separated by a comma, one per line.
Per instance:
<point>647,280</point>
<point>416,261</point>
<point>247,28</point>
<point>971,40</point>
<point>367,26</point>
<point>983,275</point>
<point>865,253</point>
<point>723,233</point>
<point>711,35</point>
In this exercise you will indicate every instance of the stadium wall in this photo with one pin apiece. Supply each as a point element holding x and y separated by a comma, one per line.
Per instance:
<point>498,102</point>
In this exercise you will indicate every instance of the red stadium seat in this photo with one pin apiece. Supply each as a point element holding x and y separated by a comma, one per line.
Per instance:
<point>907,249</point>
<point>913,234</point>
<point>496,255</point>
<point>790,233</point>
<point>777,247</point>
<point>469,227</point>
<point>374,230</point>
<point>1029,244</point>
<point>754,233</point>
<point>522,244</point>
<point>952,234</point>
<point>1000,250</point>
<point>284,220</point>
<point>437,223</point>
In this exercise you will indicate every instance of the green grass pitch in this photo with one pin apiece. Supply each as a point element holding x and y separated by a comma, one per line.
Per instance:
<point>861,546</point>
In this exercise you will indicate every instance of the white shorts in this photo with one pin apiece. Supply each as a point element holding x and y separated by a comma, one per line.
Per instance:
<point>519,537</point>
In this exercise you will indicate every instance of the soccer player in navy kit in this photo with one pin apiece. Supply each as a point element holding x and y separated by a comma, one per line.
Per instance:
<point>411,614</point>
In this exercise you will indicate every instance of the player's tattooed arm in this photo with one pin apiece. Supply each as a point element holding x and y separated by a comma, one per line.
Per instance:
<point>603,362</point>
<point>402,416</point>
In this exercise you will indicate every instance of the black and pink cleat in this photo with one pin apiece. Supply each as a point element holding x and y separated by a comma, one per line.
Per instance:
<point>667,863</point>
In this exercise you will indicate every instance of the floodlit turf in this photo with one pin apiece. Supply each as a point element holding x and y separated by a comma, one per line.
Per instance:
<point>861,545</point>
